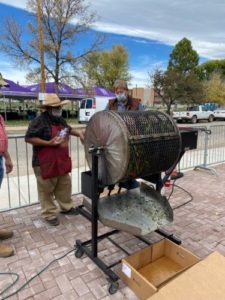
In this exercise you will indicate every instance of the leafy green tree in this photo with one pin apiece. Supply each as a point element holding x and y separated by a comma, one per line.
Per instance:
<point>206,69</point>
<point>174,87</point>
<point>183,58</point>
<point>106,66</point>
<point>179,83</point>
<point>215,89</point>
<point>192,90</point>
<point>61,34</point>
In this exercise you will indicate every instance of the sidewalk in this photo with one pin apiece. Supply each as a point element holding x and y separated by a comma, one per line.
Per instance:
<point>199,224</point>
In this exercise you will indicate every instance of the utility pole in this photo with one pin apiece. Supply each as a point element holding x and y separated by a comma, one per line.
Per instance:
<point>41,45</point>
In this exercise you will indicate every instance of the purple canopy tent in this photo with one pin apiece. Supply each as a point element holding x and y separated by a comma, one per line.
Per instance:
<point>64,90</point>
<point>94,91</point>
<point>16,91</point>
<point>67,92</point>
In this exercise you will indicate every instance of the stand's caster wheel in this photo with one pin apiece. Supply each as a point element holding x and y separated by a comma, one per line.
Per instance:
<point>113,288</point>
<point>79,253</point>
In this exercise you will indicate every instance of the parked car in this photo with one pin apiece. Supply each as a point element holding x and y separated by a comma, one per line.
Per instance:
<point>194,114</point>
<point>219,113</point>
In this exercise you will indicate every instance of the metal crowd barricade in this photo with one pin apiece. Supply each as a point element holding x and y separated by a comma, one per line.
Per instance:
<point>216,145</point>
<point>19,187</point>
<point>210,149</point>
<point>204,165</point>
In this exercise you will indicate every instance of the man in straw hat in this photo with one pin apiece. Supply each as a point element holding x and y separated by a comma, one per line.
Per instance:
<point>5,250</point>
<point>49,135</point>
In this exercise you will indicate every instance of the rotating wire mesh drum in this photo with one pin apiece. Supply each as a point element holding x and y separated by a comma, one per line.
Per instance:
<point>136,144</point>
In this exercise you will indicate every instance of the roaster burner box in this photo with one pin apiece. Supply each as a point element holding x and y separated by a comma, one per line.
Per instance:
<point>86,184</point>
<point>189,138</point>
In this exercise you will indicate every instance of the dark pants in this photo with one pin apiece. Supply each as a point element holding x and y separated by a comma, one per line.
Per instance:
<point>129,184</point>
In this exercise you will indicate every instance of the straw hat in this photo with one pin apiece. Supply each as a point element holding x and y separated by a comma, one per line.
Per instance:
<point>2,81</point>
<point>51,100</point>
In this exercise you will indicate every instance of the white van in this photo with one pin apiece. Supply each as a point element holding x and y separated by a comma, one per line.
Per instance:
<point>89,106</point>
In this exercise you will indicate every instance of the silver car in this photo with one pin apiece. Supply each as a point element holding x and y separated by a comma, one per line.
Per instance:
<point>219,113</point>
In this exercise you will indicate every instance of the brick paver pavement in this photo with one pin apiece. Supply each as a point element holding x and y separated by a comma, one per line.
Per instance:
<point>200,225</point>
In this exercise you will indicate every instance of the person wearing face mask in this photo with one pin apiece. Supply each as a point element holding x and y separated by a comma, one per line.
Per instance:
<point>49,135</point>
<point>123,101</point>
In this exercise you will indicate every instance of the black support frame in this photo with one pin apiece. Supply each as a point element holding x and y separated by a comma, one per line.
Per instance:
<point>90,247</point>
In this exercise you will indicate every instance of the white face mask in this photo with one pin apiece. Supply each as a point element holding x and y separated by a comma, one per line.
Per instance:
<point>121,97</point>
<point>56,112</point>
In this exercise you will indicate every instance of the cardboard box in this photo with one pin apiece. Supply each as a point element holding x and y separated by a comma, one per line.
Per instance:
<point>152,267</point>
<point>203,281</point>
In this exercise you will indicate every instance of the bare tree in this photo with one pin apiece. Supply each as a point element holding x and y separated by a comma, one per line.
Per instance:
<point>63,23</point>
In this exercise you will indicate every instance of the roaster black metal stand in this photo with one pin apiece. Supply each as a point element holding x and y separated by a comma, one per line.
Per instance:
<point>90,247</point>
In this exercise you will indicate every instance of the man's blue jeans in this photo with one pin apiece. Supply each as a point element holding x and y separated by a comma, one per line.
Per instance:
<point>1,170</point>
<point>129,184</point>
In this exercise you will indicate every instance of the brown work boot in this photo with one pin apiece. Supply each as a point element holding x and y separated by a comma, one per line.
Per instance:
<point>6,250</point>
<point>5,234</point>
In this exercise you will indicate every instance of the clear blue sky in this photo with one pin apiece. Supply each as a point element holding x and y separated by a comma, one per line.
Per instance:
<point>147,28</point>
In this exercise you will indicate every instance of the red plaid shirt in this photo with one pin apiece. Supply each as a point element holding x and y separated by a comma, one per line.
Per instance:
<point>3,137</point>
